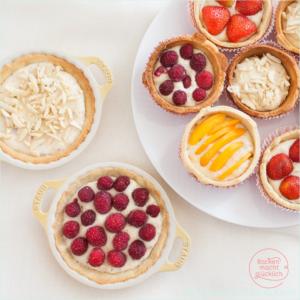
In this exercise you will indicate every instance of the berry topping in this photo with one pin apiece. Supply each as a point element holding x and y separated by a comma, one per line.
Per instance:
<point>96,257</point>
<point>198,62</point>
<point>153,210</point>
<point>70,229</point>
<point>120,241</point>
<point>137,218</point>
<point>294,151</point>
<point>215,18</point>
<point>120,201</point>
<point>290,187</point>
<point>226,3</point>
<point>186,51</point>
<point>249,7</point>
<point>166,88</point>
<point>147,232</point>
<point>160,70</point>
<point>115,222</point>
<point>72,209</point>
<point>105,183</point>
<point>187,81</point>
<point>279,166</point>
<point>199,94</point>
<point>116,259</point>
<point>79,246</point>
<point>204,79</point>
<point>86,194</point>
<point>177,73</point>
<point>103,202</point>
<point>169,58</point>
<point>96,236</point>
<point>88,217</point>
<point>137,249</point>
<point>121,183</point>
<point>140,196</point>
<point>179,97</point>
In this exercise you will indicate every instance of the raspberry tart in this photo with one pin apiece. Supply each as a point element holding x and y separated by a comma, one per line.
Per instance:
<point>185,73</point>
<point>232,23</point>
<point>279,170</point>
<point>220,146</point>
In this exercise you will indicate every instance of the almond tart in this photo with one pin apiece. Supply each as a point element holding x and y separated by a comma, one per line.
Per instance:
<point>264,81</point>
<point>231,23</point>
<point>279,170</point>
<point>185,74</point>
<point>220,146</point>
<point>287,23</point>
<point>47,108</point>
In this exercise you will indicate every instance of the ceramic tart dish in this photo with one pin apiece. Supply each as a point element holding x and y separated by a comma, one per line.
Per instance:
<point>264,81</point>
<point>231,23</point>
<point>185,73</point>
<point>50,108</point>
<point>111,225</point>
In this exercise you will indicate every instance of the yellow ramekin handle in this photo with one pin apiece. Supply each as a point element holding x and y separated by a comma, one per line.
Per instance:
<point>38,198</point>
<point>173,266</point>
<point>92,60</point>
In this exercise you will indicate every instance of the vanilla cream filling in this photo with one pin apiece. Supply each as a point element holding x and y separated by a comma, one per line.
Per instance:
<point>291,23</point>
<point>42,109</point>
<point>131,230</point>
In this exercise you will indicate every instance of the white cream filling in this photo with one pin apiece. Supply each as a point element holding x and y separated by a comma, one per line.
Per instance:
<point>291,23</point>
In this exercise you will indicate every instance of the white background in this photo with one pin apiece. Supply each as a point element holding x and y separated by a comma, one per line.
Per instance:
<point>217,268</point>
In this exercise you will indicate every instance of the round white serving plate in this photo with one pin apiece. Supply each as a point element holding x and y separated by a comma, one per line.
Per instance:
<point>160,134</point>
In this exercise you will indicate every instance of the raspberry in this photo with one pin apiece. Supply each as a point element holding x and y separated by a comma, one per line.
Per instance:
<point>147,232</point>
<point>86,194</point>
<point>70,229</point>
<point>186,51</point>
<point>88,217</point>
<point>160,70</point>
<point>166,88</point>
<point>120,201</point>
<point>187,81</point>
<point>96,257</point>
<point>115,222</point>
<point>79,246</point>
<point>105,183</point>
<point>198,62</point>
<point>103,202</point>
<point>116,259</point>
<point>96,236</point>
<point>121,183</point>
<point>169,58</point>
<point>179,97</point>
<point>72,209</point>
<point>137,218</point>
<point>199,94</point>
<point>204,80</point>
<point>140,196</point>
<point>177,73</point>
<point>153,210</point>
<point>120,241</point>
<point>137,249</point>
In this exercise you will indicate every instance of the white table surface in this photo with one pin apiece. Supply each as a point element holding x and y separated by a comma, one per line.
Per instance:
<point>217,268</point>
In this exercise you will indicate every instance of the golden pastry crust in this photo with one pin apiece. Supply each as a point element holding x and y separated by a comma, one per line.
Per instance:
<point>280,36</point>
<point>261,30</point>
<point>89,98</point>
<point>95,275</point>
<point>292,69</point>
<point>217,59</point>
<point>262,172</point>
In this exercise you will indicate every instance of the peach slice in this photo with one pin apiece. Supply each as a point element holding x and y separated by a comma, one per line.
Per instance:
<point>229,122</point>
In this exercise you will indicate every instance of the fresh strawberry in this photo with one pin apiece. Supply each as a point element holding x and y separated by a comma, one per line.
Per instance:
<point>290,187</point>
<point>279,166</point>
<point>215,18</point>
<point>249,7</point>
<point>294,151</point>
<point>227,3</point>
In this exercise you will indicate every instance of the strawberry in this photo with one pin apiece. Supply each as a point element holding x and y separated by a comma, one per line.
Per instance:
<point>240,28</point>
<point>279,166</point>
<point>290,187</point>
<point>249,7</point>
<point>215,18</point>
<point>226,3</point>
<point>294,151</point>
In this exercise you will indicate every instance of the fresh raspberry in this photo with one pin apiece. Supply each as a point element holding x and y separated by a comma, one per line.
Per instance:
<point>116,259</point>
<point>103,202</point>
<point>70,229</point>
<point>199,94</point>
<point>96,257</point>
<point>86,194</point>
<point>96,236</point>
<point>137,218</point>
<point>121,183</point>
<point>169,58</point>
<point>179,97</point>
<point>294,151</point>
<point>120,201</point>
<point>79,246</point>
<point>88,217</point>
<point>205,80</point>
<point>198,62</point>
<point>115,222</point>
<point>153,210</point>
<point>177,73</point>
<point>160,70</point>
<point>140,196</point>
<point>72,209</point>
<point>166,88</point>
<point>105,183</point>
<point>186,51</point>
<point>137,249</point>
<point>187,81</point>
<point>147,232</point>
<point>279,166</point>
<point>290,187</point>
<point>120,241</point>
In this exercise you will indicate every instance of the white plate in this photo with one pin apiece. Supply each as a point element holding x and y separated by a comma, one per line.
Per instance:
<point>160,133</point>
